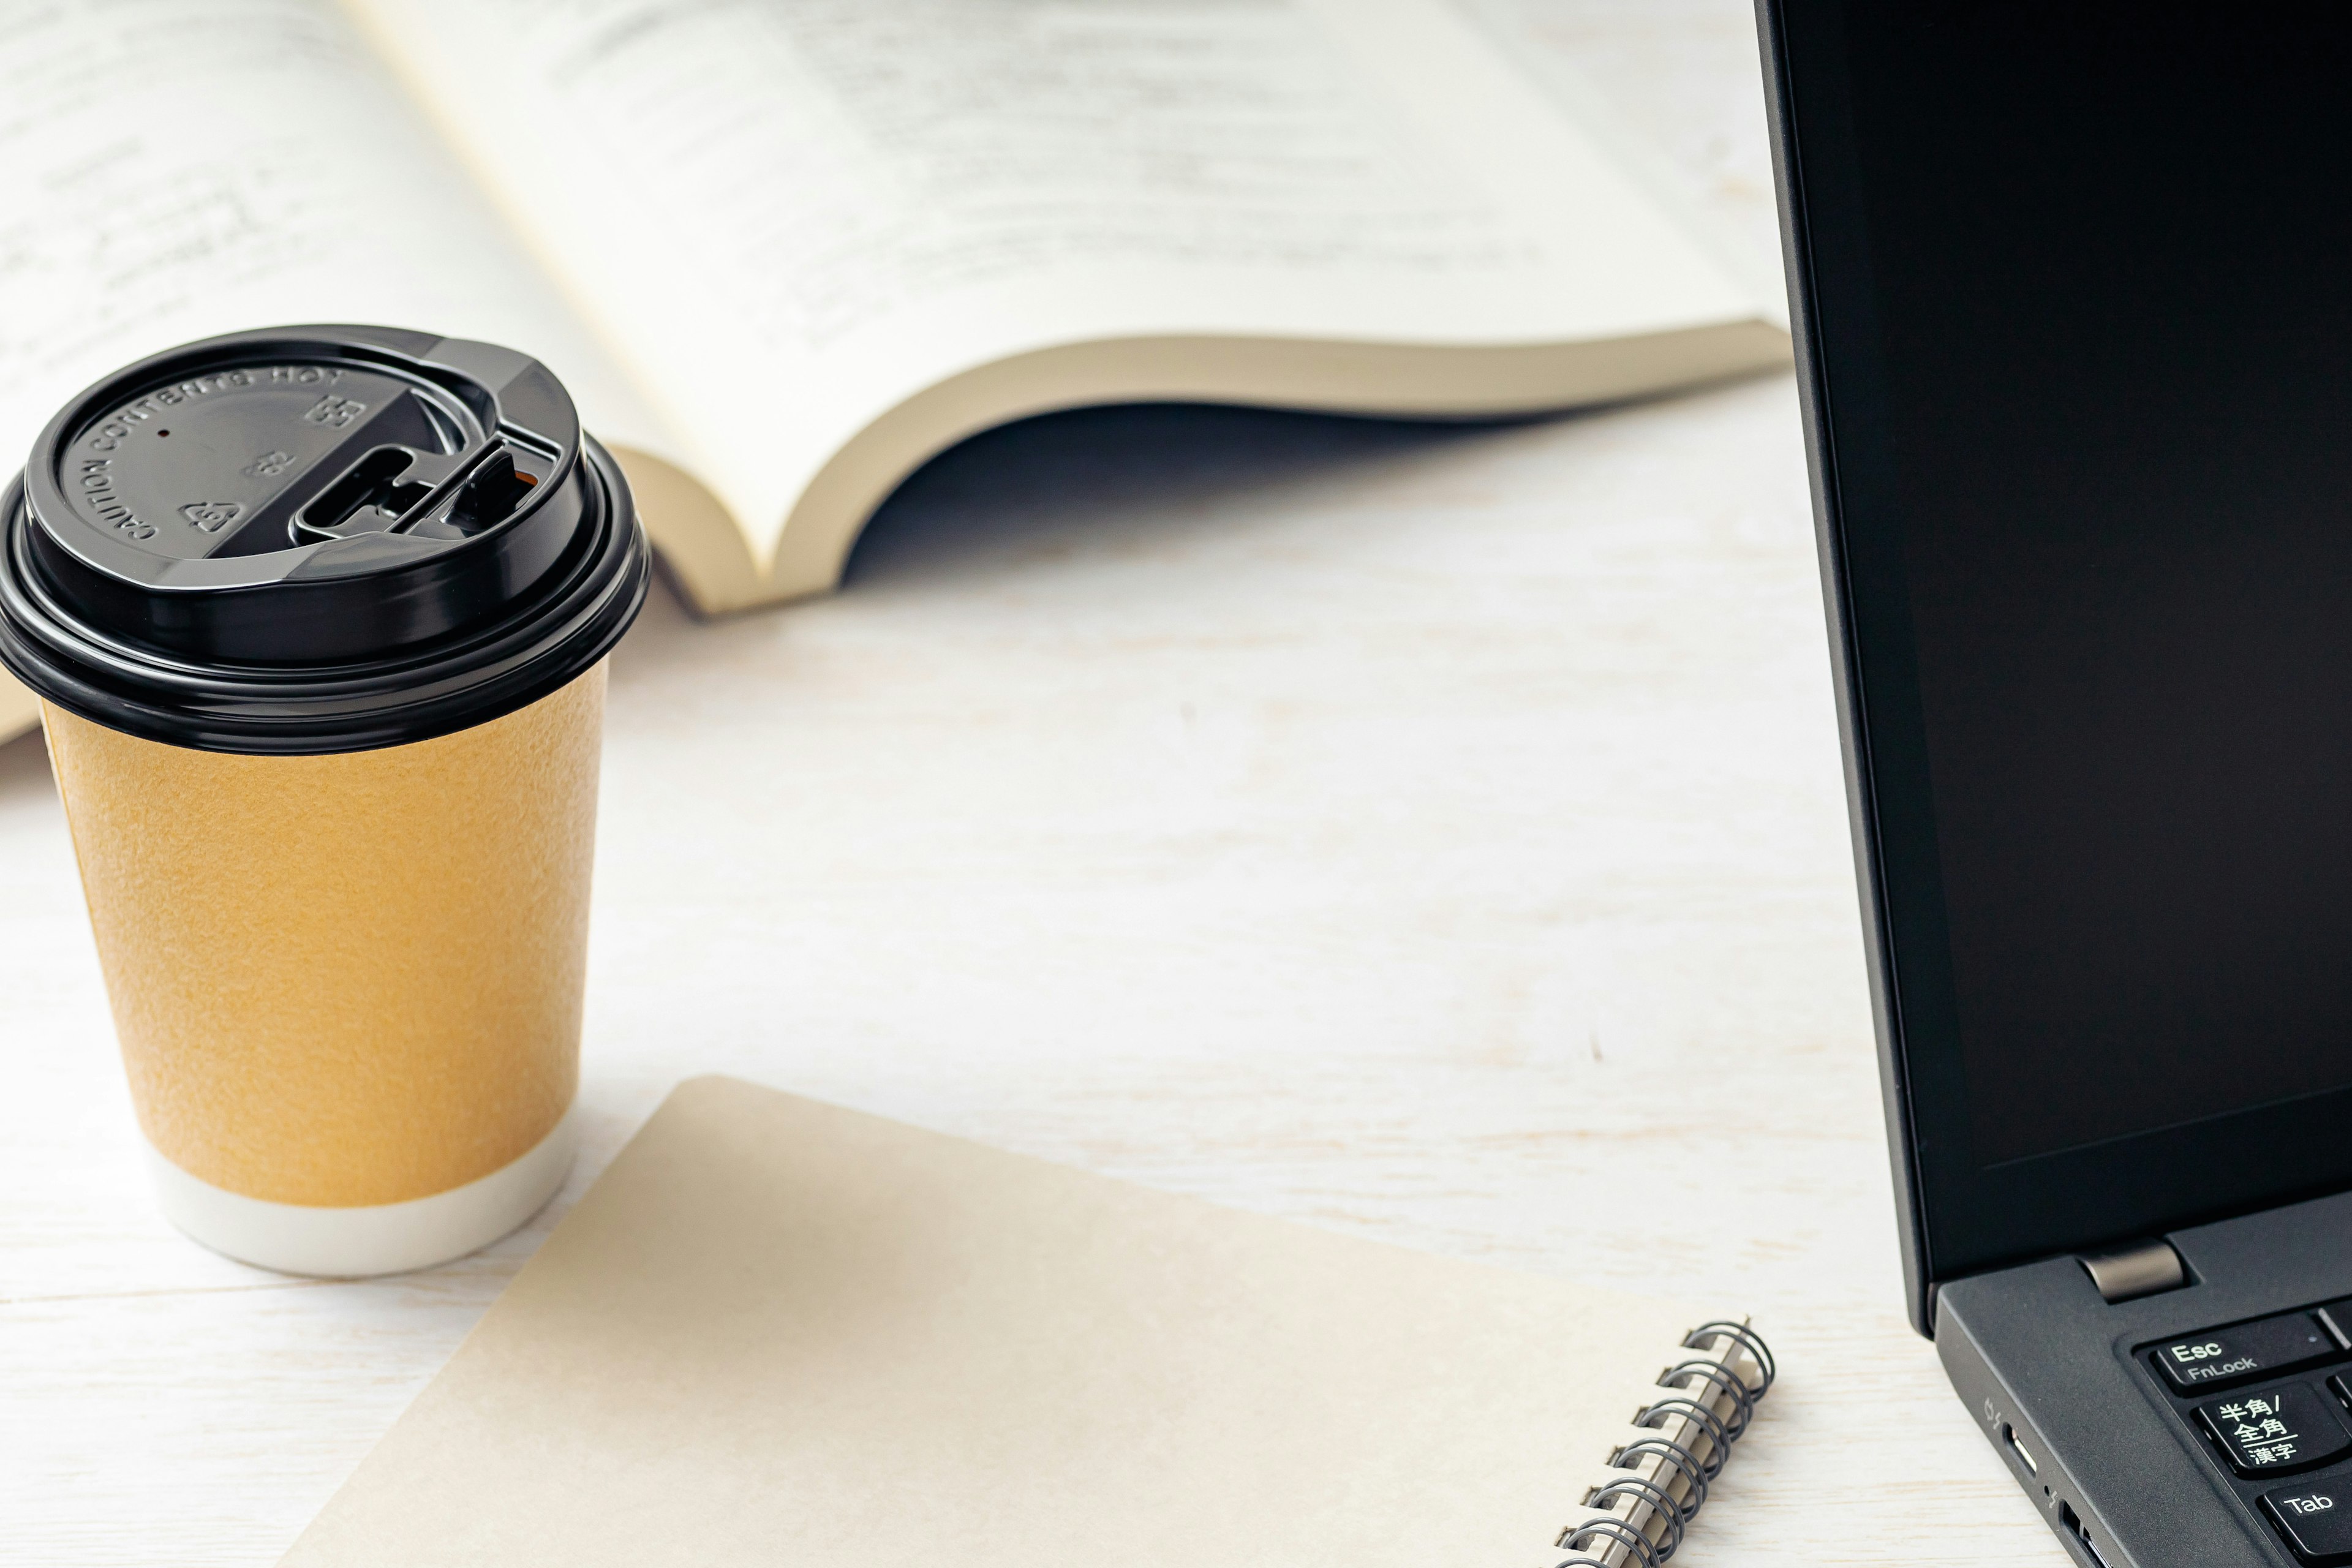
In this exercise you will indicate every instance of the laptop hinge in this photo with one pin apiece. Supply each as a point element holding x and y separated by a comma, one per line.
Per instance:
<point>2132,1272</point>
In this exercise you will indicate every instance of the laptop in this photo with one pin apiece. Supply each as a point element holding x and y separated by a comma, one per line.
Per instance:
<point>2072,290</point>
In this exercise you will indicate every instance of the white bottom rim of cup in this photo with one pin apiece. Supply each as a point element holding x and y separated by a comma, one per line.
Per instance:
<point>374,1238</point>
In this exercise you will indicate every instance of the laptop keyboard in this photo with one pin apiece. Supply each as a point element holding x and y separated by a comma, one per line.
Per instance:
<point>2270,1399</point>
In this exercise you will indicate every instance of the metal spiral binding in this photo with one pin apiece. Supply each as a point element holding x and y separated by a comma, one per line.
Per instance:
<point>1743,1403</point>
<point>1661,1502</point>
<point>1694,1475</point>
<point>1719,1445</point>
<point>1630,1542</point>
<point>1638,1518</point>
<point>1747,1339</point>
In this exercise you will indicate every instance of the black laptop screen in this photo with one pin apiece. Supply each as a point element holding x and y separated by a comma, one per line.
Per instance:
<point>2111,250</point>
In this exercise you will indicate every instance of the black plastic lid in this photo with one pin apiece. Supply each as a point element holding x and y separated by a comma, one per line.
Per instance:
<point>305,539</point>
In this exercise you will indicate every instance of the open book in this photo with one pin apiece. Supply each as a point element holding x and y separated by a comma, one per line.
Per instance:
<point>783,252</point>
<point>779,1331</point>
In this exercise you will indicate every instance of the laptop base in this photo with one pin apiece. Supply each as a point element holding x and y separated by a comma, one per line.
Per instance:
<point>2200,1425</point>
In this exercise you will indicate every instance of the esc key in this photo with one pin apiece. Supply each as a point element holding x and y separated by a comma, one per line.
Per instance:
<point>2216,1356</point>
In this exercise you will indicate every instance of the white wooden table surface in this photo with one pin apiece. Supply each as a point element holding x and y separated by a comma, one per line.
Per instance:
<point>1431,834</point>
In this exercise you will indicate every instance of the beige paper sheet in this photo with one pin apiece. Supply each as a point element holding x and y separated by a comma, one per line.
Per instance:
<point>776,1331</point>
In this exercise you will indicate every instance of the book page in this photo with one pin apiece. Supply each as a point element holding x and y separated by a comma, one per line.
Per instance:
<point>790,218</point>
<point>19,710</point>
<point>171,169</point>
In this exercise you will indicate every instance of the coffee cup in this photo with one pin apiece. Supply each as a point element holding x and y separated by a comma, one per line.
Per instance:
<point>318,617</point>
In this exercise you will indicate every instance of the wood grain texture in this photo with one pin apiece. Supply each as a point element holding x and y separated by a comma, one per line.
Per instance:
<point>1434,834</point>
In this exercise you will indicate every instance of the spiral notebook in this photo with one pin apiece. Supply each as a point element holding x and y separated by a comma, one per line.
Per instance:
<point>780,1331</point>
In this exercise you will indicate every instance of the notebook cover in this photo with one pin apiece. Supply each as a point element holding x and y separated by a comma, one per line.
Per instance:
<point>779,1331</point>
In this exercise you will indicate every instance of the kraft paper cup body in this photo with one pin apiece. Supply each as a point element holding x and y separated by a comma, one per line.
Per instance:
<point>318,617</point>
<point>347,987</point>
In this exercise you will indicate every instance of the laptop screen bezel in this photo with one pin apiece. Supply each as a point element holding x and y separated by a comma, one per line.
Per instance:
<point>1957,1217</point>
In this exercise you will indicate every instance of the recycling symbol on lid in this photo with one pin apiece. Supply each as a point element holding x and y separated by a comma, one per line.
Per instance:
<point>212,516</point>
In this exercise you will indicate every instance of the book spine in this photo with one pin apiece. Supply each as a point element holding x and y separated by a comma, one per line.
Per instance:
<point>1636,1519</point>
